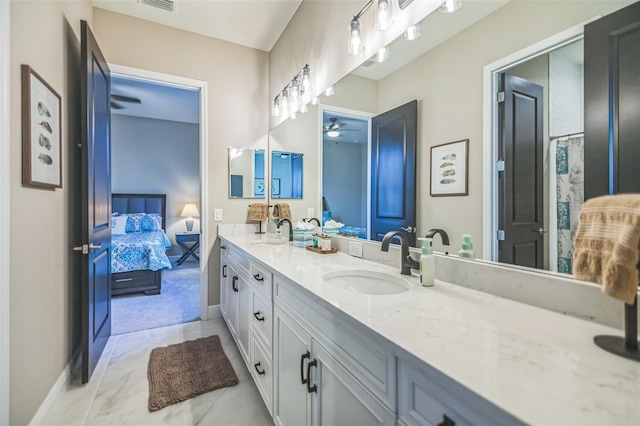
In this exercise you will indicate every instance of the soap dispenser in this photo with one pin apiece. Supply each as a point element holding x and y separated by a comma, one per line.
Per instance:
<point>427,263</point>
<point>467,248</point>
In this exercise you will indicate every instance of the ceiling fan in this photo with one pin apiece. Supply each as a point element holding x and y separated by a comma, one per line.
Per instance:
<point>332,130</point>
<point>116,99</point>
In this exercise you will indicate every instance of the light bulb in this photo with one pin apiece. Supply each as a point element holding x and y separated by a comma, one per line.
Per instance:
<point>329,91</point>
<point>304,109</point>
<point>450,6</point>
<point>306,79</point>
<point>284,102</point>
<point>293,104</point>
<point>382,55</point>
<point>294,115</point>
<point>355,38</point>
<point>333,133</point>
<point>276,107</point>
<point>383,15</point>
<point>294,93</point>
<point>412,33</point>
<point>315,100</point>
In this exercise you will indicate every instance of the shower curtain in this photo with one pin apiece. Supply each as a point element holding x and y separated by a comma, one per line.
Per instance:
<point>569,195</point>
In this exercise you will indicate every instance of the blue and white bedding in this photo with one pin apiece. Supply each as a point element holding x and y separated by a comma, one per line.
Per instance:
<point>139,250</point>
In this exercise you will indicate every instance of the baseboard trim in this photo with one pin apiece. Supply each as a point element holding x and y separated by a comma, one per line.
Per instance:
<point>44,411</point>
<point>214,312</point>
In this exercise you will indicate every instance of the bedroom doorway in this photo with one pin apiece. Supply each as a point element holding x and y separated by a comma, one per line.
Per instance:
<point>157,143</point>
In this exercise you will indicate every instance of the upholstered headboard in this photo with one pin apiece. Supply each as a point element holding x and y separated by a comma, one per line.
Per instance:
<point>140,203</point>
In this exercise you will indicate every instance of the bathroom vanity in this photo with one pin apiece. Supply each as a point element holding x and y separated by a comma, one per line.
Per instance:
<point>322,353</point>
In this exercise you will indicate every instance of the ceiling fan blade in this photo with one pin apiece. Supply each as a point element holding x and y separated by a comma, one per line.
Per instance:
<point>115,105</point>
<point>122,98</point>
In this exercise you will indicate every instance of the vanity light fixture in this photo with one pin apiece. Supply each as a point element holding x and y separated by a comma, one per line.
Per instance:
<point>450,6</point>
<point>306,79</point>
<point>383,14</point>
<point>356,45</point>
<point>412,33</point>
<point>291,96</point>
<point>329,91</point>
<point>382,55</point>
<point>284,102</point>
<point>275,111</point>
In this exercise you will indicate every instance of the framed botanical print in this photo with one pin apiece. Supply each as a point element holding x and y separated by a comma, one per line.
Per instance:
<point>450,169</point>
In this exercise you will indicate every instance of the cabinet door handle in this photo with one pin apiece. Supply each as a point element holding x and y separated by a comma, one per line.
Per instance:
<point>234,283</point>
<point>446,421</point>
<point>307,356</point>
<point>257,277</point>
<point>258,317</point>
<point>310,388</point>
<point>256,366</point>
<point>224,271</point>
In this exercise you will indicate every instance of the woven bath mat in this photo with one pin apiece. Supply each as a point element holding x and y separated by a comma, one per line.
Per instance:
<point>182,371</point>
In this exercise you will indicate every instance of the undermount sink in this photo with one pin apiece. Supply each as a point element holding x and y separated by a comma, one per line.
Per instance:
<point>276,241</point>
<point>367,282</point>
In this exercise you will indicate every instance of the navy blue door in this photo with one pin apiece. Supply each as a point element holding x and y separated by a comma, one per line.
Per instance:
<point>96,203</point>
<point>393,172</point>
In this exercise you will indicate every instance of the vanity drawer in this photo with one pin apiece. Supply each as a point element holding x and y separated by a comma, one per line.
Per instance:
<point>427,397</point>
<point>260,279</point>
<point>262,372</point>
<point>261,319</point>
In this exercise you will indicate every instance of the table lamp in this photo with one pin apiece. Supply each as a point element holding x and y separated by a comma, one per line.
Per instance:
<point>190,211</point>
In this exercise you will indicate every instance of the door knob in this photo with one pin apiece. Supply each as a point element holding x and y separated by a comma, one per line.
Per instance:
<point>542,231</point>
<point>408,229</point>
<point>85,249</point>
<point>93,247</point>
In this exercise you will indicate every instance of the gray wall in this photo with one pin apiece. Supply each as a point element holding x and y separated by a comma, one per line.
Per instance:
<point>157,156</point>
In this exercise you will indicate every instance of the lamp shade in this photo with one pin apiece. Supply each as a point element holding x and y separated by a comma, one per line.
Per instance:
<point>190,210</point>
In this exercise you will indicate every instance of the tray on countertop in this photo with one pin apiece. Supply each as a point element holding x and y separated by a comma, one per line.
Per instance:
<point>318,250</point>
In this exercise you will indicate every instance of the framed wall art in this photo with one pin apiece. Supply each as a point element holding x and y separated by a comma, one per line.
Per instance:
<point>275,186</point>
<point>450,169</point>
<point>41,132</point>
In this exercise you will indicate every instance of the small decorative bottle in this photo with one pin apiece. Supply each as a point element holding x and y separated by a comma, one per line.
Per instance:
<point>467,248</point>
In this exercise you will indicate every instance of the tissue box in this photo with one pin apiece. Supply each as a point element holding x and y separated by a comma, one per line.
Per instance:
<point>328,230</point>
<point>302,237</point>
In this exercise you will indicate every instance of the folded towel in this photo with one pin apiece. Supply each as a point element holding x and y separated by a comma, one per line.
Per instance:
<point>607,245</point>
<point>282,211</point>
<point>258,212</point>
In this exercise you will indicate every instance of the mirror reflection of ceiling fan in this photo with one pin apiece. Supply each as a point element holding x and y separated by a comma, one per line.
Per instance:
<point>333,130</point>
<point>117,99</point>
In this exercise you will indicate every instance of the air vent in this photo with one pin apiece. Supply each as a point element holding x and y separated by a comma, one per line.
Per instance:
<point>167,5</point>
<point>368,63</point>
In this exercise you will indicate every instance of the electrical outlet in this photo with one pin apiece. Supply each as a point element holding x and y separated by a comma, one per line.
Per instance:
<point>355,249</point>
<point>217,215</point>
<point>310,212</point>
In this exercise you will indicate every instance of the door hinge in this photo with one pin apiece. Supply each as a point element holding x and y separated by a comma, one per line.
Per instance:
<point>500,165</point>
<point>500,97</point>
<point>500,235</point>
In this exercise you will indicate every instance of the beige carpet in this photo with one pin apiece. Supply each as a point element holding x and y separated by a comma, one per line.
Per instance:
<point>182,371</point>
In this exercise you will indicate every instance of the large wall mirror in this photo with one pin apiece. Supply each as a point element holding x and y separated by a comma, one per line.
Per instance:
<point>443,70</point>
<point>246,173</point>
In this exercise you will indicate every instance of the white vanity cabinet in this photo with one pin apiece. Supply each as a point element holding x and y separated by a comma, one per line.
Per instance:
<point>316,382</point>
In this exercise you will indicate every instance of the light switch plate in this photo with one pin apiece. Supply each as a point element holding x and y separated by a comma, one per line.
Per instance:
<point>355,249</point>
<point>310,212</point>
<point>217,215</point>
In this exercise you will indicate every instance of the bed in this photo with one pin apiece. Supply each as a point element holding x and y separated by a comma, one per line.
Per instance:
<point>138,243</point>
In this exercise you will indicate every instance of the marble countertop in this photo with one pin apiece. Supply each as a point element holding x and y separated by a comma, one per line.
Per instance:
<point>540,366</point>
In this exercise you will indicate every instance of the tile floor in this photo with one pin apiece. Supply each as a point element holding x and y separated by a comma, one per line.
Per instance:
<point>118,391</point>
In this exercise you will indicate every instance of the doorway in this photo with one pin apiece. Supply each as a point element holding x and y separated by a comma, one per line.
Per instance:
<point>182,135</point>
<point>555,65</point>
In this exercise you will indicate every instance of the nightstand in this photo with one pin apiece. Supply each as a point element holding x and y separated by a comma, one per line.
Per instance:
<point>183,238</point>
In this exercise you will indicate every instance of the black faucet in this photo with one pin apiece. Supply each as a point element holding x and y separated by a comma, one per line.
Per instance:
<point>312,219</point>
<point>406,262</point>
<point>290,227</point>
<point>443,234</point>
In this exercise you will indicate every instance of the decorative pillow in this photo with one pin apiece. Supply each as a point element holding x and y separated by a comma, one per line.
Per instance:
<point>142,222</point>
<point>118,224</point>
